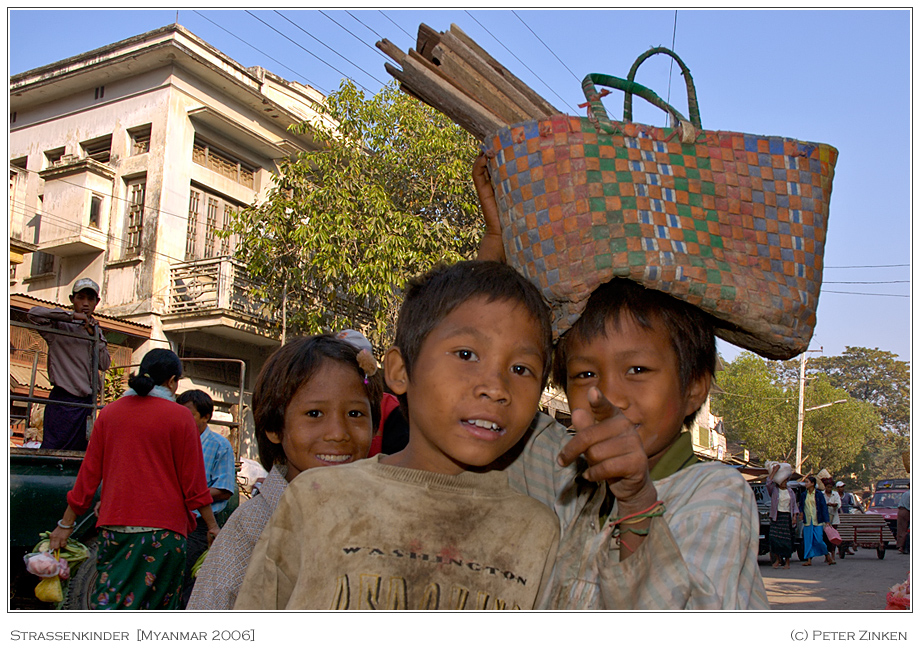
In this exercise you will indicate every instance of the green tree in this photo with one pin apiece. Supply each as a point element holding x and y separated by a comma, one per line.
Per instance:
<point>833,437</point>
<point>388,196</point>
<point>881,381</point>
<point>757,412</point>
<point>759,406</point>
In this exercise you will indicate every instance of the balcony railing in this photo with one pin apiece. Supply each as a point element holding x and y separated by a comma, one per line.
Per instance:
<point>213,285</point>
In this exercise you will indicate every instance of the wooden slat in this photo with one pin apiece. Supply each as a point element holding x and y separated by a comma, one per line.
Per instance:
<point>427,39</point>
<point>428,86</point>
<point>865,525</point>
<point>390,49</point>
<point>545,107</point>
<point>472,59</point>
<point>472,83</point>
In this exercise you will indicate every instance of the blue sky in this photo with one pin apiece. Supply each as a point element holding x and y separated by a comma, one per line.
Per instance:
<point>839,77</point>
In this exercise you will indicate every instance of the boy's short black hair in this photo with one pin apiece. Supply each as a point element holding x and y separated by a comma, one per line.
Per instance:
<point>434,295</point>
<point>291,366</point>
<point>690,330</point>
<point>203,403</point>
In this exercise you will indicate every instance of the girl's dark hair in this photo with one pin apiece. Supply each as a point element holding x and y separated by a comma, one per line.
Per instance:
<point>290,367</point>
<point>157,367</point>
<point>690,330</point>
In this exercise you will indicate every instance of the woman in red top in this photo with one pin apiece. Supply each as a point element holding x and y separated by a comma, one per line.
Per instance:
<point>146,452</point>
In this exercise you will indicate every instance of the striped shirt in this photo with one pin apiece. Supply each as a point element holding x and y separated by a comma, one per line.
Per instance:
<point>221,575</point>
<point>702,554</point>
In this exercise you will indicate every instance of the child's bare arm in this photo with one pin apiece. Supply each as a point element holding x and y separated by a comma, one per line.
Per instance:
<point>615,454</point>
<point>491,247</point>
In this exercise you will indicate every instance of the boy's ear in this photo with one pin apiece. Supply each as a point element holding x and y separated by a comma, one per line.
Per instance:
<point>273,437</point>
<point>697,393</point>
<point>394,371</point>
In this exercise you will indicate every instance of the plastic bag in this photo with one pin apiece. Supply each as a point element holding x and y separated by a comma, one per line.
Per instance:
<point>45,565</point>
<point>49,590</point>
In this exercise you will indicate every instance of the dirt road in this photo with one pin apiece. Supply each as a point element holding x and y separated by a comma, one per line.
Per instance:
<point>859,582</point>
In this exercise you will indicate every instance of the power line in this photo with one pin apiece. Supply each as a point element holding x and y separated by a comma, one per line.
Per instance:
<point>854,293</point>
<point>366,25</point>
<point>308,52</point>
<point>888,282</point>
<point>547,47</point>
<point>374,50</point>
<point>671,59</point>
<point>396,24</point>
<point>327,47</point>
<point>143,206</point>
<point>545,84</point>
<point>313,84</point>
<point>882,266</point>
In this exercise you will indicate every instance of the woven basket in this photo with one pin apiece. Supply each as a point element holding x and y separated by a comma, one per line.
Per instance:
<point>730,222</point>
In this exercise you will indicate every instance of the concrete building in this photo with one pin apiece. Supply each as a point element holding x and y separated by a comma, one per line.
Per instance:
<point>125,162</point>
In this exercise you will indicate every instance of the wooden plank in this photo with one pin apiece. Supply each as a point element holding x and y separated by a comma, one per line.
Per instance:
<point>436,92</point>
<point>482,67</point>
<point>427,39</point>
<point>475,85</point>
<point>544,106</point>
<point>391,50</point>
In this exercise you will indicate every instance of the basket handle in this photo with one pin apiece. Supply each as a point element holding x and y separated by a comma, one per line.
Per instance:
<point>597,107</point>
<point>692,103</point>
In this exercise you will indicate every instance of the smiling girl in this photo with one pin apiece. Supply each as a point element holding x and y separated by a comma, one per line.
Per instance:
<point>314,404</point>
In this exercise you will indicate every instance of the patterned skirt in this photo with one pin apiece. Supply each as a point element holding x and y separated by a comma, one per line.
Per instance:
<point>781,535</point>
<point>139,570</point>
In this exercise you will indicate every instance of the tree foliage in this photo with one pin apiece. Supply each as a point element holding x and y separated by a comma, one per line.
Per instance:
<point>757,412</point>
<point>759,406</point>
<point>388,196</point>
<point>882,381</point>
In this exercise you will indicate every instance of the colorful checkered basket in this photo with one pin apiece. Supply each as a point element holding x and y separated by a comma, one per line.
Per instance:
<point>730,222</point>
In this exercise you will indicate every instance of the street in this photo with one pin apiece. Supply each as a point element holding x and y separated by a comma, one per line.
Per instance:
<point>859,582</point>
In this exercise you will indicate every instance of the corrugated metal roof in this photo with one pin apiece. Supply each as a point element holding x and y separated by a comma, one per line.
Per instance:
<point>20,376</point>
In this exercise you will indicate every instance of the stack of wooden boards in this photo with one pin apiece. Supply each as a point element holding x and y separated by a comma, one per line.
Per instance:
<point>866,530</point>
<point>453,74</point>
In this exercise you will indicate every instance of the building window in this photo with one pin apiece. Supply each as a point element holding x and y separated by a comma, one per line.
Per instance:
<point>140,140</point>
<point>99,149</point>
<point>13,117</point>
<point>222,163</point>
<point>225,238</point>
<point>100,92</point>
<point>42,263</point>
<point>135,219</point>
<point>192,231</point>
<point>210,229</point>
<point>54,157</point>
<point>95,211</point>
<point>202,237</point>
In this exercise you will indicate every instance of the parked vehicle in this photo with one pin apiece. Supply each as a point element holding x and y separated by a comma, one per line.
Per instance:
<point>885,501</point>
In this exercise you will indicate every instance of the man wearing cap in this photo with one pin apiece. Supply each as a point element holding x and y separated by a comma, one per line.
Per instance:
<point>70,365</point>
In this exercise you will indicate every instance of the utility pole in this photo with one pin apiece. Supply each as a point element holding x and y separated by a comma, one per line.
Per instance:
<point>801,425</point>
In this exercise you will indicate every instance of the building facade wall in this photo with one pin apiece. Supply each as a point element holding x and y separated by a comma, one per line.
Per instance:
<point>156,110</point>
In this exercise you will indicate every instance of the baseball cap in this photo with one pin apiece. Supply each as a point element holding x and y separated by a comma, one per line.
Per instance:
<point>85,283</point>
<point>839,484</point>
